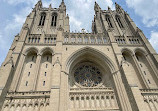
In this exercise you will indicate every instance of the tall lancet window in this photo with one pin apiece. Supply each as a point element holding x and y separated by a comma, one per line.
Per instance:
<point>119,21</point>
<point>107,18</point>
<point>42,19</point>
<point>54,19</point>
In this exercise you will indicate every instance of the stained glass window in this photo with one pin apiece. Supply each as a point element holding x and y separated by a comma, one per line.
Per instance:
<point>88,75</point>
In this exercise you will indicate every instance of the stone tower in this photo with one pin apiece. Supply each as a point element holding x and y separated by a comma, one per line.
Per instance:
<point>48,68</point>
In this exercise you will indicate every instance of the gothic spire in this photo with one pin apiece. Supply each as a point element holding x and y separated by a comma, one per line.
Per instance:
<point>62,6</point>
<point>39,4</point>
<point>97,7</point>
<point>119,8</point>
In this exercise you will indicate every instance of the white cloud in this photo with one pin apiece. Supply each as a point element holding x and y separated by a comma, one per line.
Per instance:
<point>82,13</point>
<point>18,19</point>
<point>75,24</point>
<point>147,9</point>
<point>16,2</point>
<point>154,40</point>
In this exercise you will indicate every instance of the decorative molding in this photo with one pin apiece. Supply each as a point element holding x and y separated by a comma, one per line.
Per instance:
<point>10,61</point>
<point>55,87</point>
<point>57,62</point>
<point>133,85</point>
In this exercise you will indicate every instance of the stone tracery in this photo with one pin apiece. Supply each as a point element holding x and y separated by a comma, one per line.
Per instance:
<point>88,75</point>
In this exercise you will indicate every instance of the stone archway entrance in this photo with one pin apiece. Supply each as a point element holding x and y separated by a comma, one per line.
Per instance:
<point>91,85</point>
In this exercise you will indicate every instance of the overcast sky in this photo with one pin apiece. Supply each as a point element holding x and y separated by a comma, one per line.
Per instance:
<point>13,14</point>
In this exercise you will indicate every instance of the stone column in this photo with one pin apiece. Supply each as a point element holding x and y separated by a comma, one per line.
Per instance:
<point>38,61</point>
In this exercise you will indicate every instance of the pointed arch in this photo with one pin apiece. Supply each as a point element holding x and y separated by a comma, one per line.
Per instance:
<point>54,19</point>
<point>107,18</point>
<point>127,50</point>
<point>106,60</point>
<point>140,50</point>
<point>31,49</point>
<point>46,49</point>
<point>119,21</point>
<point>42,19</point>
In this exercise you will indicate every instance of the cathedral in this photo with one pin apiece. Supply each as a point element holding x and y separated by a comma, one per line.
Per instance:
<point>49,68</point>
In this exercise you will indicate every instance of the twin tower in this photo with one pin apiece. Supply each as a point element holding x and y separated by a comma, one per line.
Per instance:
<point>49,68</point>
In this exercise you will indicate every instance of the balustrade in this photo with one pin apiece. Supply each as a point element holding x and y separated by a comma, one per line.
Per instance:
<point>150,99</point>
<point>120,40</point>
<point>34,39</point>
<point>96,99</point>
<point>16,101</point>
<point>88,39</point>
<point>134,40</point>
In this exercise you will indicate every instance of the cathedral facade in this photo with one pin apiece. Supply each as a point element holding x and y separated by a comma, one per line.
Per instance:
<point>49,68</point>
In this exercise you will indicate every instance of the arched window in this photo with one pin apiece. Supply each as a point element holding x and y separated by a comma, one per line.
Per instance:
<point>107,18</point>
<point>54,19</point>
<point>119,21</point>
<point>42,19</point>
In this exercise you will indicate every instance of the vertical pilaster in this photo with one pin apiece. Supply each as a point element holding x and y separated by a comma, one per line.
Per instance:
<point>120,88</point>
<point>124,101</point>
<point>133,91</point>
<point>55,88</point>
<point>6,74</point>
<point>57,76</point>
<point>142,76</point>
<point>138,98</point>
<point>17,74</point>
<point>151,63</point>
<point>38,61</point>
<point>149,48</point>
<point>64,92</point>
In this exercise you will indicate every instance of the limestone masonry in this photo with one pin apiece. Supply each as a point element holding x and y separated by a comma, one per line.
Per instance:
<point>49,68</point>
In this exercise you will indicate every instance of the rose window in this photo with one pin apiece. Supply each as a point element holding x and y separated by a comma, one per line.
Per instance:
<point>88,76</point>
